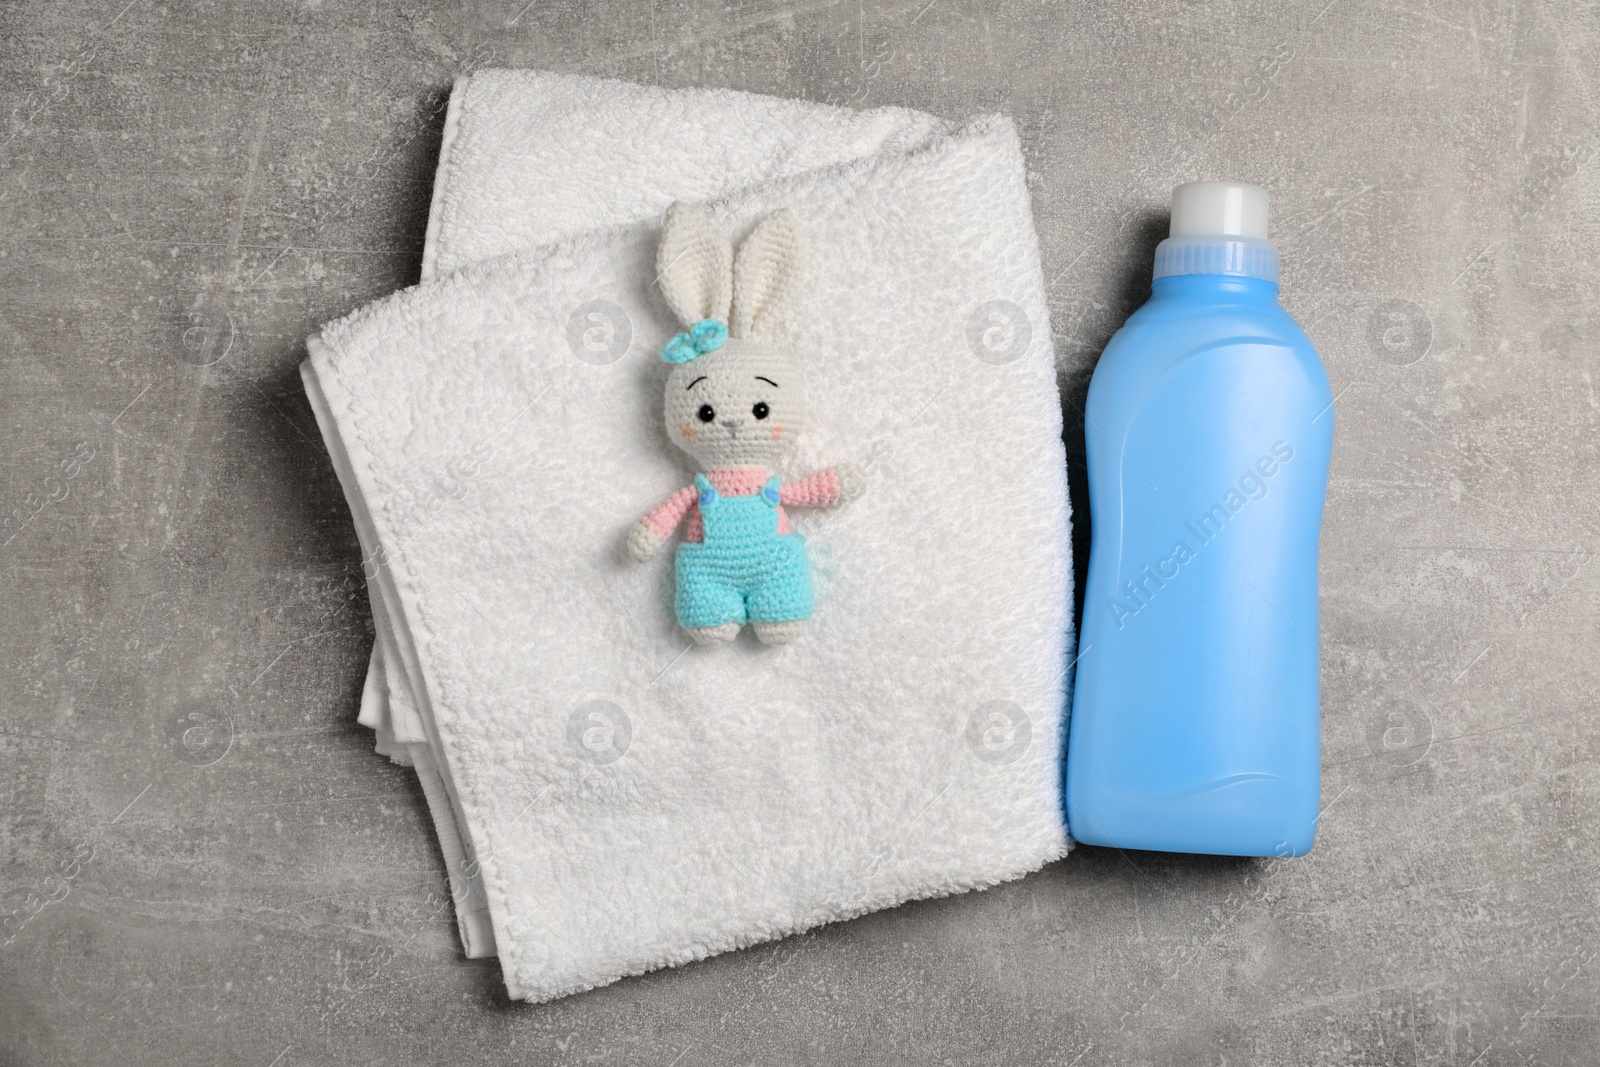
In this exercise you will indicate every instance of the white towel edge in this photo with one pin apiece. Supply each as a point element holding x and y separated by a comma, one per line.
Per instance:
<point>439,204</point>
<point>459,875</point>
<point>735,941</point>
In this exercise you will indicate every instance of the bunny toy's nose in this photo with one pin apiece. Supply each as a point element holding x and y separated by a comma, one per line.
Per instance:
<point>732,424</point>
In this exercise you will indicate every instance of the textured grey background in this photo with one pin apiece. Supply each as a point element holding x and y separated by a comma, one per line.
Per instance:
<point>202,860</point>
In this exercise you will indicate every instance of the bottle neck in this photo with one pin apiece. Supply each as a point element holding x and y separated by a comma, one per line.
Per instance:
<point>1216,286</point>
<point>1202,253</point>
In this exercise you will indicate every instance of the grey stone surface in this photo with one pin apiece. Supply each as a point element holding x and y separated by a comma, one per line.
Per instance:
<point>203,861</point>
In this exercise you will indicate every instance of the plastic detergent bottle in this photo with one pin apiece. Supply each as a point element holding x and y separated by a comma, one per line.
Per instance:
<point>1195,718</point>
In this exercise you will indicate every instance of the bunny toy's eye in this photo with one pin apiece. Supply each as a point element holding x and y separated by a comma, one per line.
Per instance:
<point>706,413</point>
<point>761,410</point>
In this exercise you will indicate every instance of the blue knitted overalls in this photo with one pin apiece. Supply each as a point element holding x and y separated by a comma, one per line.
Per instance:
<point>744,570</point>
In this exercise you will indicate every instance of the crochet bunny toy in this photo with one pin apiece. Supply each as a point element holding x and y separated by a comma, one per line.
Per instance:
<point>735,401</point>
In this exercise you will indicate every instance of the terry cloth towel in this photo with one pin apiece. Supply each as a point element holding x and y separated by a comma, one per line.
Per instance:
<point>507,180</point>
<point>621,800</point>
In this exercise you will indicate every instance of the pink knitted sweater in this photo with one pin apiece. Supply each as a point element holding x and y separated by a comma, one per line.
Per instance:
<point>819,490</point>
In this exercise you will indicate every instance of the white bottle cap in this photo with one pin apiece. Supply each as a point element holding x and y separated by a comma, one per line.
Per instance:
<point>1231,209</point>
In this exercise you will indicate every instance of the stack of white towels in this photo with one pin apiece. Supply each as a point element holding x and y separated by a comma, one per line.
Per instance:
<point>609,797</point>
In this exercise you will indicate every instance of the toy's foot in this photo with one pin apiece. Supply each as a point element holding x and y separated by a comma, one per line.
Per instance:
<point>778,633</point>
<point>714,635</point>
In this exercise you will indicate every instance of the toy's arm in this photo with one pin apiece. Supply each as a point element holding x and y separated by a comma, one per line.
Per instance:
<point>652,531</point>
<point>825,489</point>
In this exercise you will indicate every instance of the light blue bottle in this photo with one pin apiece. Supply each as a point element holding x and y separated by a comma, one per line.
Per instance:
<point>1195,718</point>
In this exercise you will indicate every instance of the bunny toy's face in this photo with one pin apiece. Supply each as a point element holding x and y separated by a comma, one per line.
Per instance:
<point>734,400</point>
<point>740,406</point>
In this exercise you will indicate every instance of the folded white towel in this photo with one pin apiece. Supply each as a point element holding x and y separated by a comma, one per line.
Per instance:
<point>530,157</point>
<point>628,801</point>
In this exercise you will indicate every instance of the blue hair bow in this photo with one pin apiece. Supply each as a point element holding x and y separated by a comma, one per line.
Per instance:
<point>707,335</point>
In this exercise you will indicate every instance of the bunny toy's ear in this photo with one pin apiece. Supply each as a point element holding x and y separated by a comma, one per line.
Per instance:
<point>765,274</point>
<point>694,266</point>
